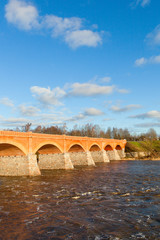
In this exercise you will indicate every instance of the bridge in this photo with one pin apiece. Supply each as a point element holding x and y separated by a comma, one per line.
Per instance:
<point>25,154</point>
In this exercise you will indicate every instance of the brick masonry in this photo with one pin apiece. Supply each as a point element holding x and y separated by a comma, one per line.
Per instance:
<point>19,152</point>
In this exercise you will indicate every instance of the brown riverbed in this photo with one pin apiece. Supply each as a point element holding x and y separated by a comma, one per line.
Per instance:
<point>117,200</point>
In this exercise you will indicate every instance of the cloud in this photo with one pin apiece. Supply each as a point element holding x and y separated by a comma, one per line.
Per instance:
<point>107,119</point>
<point>48,97</point>
<point>7,102</point>
<point>105,79</point>
<point>13,122</point>
<point>90,89</point>
<point>151,114</point>
<point>20,122</point>
<point>80,38</point>
<point>75,118</point>
<point>60,26</point>
<point>21,14</point>
<point>147,125</point>
<point>125,109</point>
<point>26,17</point>
<point>153,38</point>
<point>89,112</point>
<point>142,3</point>
<point>93,112</point>
<point>123,91</point>
<point>28,110</point>
<point>140,61</point>
<point>152,60</point>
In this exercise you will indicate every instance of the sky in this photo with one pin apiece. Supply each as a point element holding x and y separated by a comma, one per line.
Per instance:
<point>79,62</point>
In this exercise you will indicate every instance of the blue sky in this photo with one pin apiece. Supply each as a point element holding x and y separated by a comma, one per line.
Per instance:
<point>78,62</point>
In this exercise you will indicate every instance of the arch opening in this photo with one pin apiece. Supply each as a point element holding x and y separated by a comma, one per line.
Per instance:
<point>108,148</point>
<point>76,148</point>
<point>7,149</point>
<point>95,148</point>
<point>118,147</point>
<point>50,156</point>
<point>48,149</point>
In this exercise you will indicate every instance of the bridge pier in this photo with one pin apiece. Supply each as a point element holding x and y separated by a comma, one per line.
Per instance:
<point>81,159</point>
<point>121,153</point>
<point>19,165</point>
<point>32,165</point>
<point>55,161</point>
<point>99,156</point>
<point>113,155</point>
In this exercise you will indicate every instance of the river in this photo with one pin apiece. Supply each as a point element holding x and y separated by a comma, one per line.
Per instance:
<point>116,200</point>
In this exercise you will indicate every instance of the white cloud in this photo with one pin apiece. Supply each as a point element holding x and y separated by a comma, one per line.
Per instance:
<point>123,91</point>
<point>28,110</point>
<point>13,122</point>
<point>126,108</point>
<point>142,3</point>
<point>21,14</point>
<point>147,125</point>
<point>93,112</point>
<point>140,61</point>
<point>89,112</point>
<point>151,114</point>
<point>153,38</point>
<point>59,25</point>
<point>152,60</point>
<point>25,16</point>
<point>48,97</point>
<point>107,119</point>
<point>145,3</point>
<point>89,89</point>
<point>76,118</point>
<point>105,79</point>
<point>155,59</point>
<point>80,38</point>
<point>7,102</point>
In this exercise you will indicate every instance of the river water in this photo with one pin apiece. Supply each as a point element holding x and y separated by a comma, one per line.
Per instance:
<point>117,200</point>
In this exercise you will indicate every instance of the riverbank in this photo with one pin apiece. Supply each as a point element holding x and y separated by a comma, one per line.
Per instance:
<point>143,150</point>
<point>143,159</point>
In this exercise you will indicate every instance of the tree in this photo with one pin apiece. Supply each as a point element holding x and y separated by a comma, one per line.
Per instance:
<point>152,135</point>
<point>27,127</point>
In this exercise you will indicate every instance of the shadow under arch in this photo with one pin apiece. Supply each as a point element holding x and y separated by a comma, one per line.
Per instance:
<point>8,149</point>
<point>118,147</point>
<point>76,148</point>
<point>94,148</point>
<point>108,148</point>
<point>48,148</point>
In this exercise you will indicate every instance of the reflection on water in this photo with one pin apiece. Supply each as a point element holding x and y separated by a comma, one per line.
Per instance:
<point>118,200</point>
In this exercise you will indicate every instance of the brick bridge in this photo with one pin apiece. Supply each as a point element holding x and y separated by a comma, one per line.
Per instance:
<point>27,153</point>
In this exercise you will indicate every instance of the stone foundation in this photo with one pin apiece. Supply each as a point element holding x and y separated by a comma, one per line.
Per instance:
<point>138,154</point>
<point>19,166</point>
<point>121,153</point>
<point>99,156</point>
<point>55,161</point>
<point>81,158</point>
<point>27,165</point>
<point>113,155</point>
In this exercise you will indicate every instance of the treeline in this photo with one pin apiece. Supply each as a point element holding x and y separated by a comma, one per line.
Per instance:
<point>91,130</point>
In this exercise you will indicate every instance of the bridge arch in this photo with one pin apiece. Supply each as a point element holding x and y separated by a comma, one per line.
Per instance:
<point>10,150</point>
<point>49,146</point>
<point>94,147</point>
<point>76,147</point>
<point>9,145</point>
<point>108,147</point>
<point>118,147</point>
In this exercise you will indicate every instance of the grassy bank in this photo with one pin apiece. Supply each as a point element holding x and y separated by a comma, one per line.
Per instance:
<point>153,147</point>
